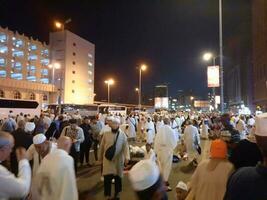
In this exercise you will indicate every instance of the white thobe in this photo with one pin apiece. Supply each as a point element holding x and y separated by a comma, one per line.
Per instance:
<point>174,126</point>
<point>204,131</point>
<point>150,132</point>
<point>55,178</point>
<point>131,133</point>
<point>150,155</point>
<point>15,187</point>
<point>32,154</point>
<point>159,124</point>
<point>242,129</point>
<point>165,143</point>
<point>191,138</point>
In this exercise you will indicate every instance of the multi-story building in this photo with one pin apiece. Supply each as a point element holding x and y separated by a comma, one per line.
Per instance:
<point>75,55</point>
<point>161,97</point>
<point>259,16</point>
<point>28,72</point>
<point>24,71</point>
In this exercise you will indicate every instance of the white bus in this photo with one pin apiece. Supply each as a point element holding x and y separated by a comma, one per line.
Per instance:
<point>112,109</point>
<point>17,106</point>
<point>84,110</point>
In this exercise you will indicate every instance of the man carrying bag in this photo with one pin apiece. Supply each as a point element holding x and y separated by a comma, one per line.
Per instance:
<point>114,153</point>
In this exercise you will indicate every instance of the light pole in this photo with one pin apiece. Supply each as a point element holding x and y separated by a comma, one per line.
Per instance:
<point>207,57</point>
<point>221,54</point>
<point>61,26</point>
<point>109,83</point>
<point>141,68</point>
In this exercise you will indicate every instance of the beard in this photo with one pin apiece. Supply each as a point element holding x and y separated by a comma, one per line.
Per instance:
<point>114,130</point>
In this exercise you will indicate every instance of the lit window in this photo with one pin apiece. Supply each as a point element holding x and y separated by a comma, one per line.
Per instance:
<point>18,43</point>
<point>73,72</point>
<point>32,96</point>
<point>17,66</point>
<point>45,52</point>
<point>13,38</point>
<point>90,64</point>
<point>31,70</point>
<point>31,78</point>
<point>73,91</point>
<point>2,73</point>
<point>32,57</point>
<point>73,81</point>
<point>33,47</point>
<point>90,55</point>
<point>16,53</point>
<point>44,80</point>
<point>3,49</point>
<point>2,62</point>
<point>90,81</point>
<point>44,72</point>
<point>2,94</point>
<point>45,62</point>
<point>17,95</point>
<point>17,76</point>
<point>3,37</point>
<point>90,72</point>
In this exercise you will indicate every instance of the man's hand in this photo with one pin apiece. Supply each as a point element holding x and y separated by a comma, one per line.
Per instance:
<point>21,153</point>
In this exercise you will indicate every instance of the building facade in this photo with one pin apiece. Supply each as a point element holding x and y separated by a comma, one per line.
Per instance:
<point>75,78</point>
<point>24,71</point>
<point>259,16</point>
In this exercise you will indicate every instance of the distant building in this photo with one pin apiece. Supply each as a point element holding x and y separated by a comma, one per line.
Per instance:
<point>24,71</point>
<point>173,104</point>
<point>259,14</point>
<point>161,97</point>
<point>185,99</point>
<point>76,57</point>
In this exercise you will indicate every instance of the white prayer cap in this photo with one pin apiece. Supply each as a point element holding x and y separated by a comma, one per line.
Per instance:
<point>182,186</point>
<point>116,120</point>
<point>29,126</point>
<point>110,118</point>
<point>39,138</point>
<point>261,125</point>
<point>144,175</point>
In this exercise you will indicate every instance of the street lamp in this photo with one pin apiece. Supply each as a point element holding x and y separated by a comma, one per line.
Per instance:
<point>141,68</point>
<point>109,82</point>
<point>60,25</point>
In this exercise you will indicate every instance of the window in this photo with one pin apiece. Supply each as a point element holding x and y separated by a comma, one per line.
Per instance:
<point>90,55</point>
<point>73,81</point>
<point>74,54</point>
<point>2,94</point>
<point>73,91</point>
<point>17,95</point>
<point>90,72</point>
<point>3,49</point>
<point>2,62</point>
<point>44,72</point>
<point>16,53</point>
<point>32,96</point>
<point>74,44</point>
<point>90,64</point>
<point>3,37</point>
<point>73,72</point>
<point>73,62</point>
<point>44,80</point>
<point>32,57</point>
<point>45,98</point>
<point>2,73</point>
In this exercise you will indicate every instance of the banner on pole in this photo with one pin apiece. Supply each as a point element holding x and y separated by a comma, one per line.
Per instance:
<point>213,76</point>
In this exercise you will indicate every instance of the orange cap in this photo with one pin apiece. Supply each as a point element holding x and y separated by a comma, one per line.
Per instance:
<point>218,149</point>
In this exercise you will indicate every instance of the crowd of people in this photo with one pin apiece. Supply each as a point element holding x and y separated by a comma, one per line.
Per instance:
<point>40,155</point>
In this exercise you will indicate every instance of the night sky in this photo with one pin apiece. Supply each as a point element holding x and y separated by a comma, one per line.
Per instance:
<point>170,36</point>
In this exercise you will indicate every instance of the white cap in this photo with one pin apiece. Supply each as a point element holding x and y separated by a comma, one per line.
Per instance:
<point>39,139</point>
<point>261,125</point>
<point>144,174</point>
<point>110,118</point>
<point>116,120</point>
<point>29,126</point>
<point>182,186</point>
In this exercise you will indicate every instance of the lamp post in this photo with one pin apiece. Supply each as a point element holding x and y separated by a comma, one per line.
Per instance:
<point>207,57</point>
<point>141,68</point>
<point>221,54</point>
<point>109,83</point>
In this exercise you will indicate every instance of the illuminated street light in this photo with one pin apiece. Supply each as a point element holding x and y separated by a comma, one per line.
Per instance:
<point>136,89</point>
<point>109,82</point>
<point>192,98</point>
<point>58,24</point>
<point>143,67</point>
<point>207,56</point>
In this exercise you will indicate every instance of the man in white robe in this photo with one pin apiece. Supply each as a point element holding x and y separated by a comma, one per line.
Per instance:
<point>192,141</point>
<point>132,126</point>
<point>165,143</point>
<point>55,179</point>
<point>10,185</point>
<point>150,131</point>
<point>38,150</point>
<point>241,127</point>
